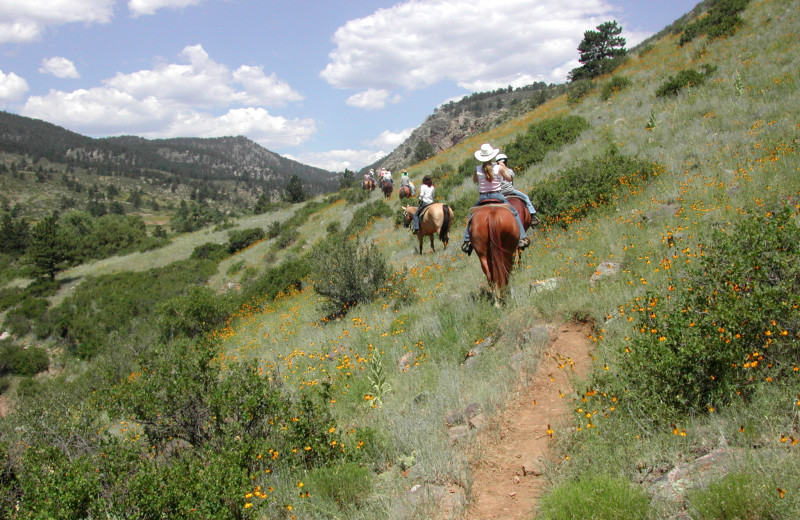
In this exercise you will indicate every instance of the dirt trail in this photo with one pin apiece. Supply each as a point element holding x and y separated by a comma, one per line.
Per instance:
<point>501,489</point>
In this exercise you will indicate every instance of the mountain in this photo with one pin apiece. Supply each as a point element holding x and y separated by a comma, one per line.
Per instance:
<point>455,121</point>
<point>211,159</point>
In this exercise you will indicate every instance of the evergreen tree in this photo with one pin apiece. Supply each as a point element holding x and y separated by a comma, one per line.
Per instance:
<point>46,252</point>
<point>601,51</point>
<point>294,190</point>
<point>348,179</point>
<point>262,204</point>
<point>14,235</point>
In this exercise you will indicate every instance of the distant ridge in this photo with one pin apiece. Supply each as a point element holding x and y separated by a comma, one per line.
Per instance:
<point>220,158</point>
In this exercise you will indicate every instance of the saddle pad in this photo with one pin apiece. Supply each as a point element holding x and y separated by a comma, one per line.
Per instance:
<point>475,209</point>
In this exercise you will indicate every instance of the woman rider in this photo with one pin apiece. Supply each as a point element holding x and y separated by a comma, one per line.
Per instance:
<point>425,199</point>
<point>487,176</point>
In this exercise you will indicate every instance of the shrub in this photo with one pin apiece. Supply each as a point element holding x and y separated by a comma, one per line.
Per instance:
<point>362,216</point>
<point>198,312</point>
<point>241,239</point>
<point>537,141</point>
<point>23,361</point>
<point>599,498</point>
<point>578,90</point>
<point>210,251</point>
<point>593,183</point>
<point>5,384</point>
<point>290,273</point>
<point>614,85</point>
<point>684,78</point>
<point>729,325</point>
<point>722,20</point>
<point>10,296</point>
<point>347,273</point>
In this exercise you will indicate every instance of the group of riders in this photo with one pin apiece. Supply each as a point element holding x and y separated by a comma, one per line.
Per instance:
<point>385,176</point>
<point>494,178</point>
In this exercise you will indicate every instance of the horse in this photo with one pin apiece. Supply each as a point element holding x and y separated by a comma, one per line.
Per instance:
<point>404,192</point>
<point>387,188</point>
<point>435,219</point>
<point>369,185</point>
<point>494,235</point>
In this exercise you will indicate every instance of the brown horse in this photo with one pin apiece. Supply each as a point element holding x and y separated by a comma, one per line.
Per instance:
<point>435,219</point>
<point>369,184</point>
<point>404,192</point>
<point>494,235</point>
<point>387,188</point>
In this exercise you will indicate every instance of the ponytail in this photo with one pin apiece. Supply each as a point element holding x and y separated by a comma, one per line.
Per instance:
<point>488,171</point>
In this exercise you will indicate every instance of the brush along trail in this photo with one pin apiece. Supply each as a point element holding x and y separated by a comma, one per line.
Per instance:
<point>506,477</point>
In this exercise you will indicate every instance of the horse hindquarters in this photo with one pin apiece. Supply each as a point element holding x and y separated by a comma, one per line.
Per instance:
<point>495,235</point>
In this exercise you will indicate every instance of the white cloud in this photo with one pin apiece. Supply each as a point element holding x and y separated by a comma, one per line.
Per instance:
<point>205,83</point>
<point>144,7</point>
<point>59,67</point>
<point>23,21</point>
<point>372,99</point>
<point>390,140</point>
<point>338,160</point>
<point>12,87</point>
<point>172,100</point>
<point>262,89</point>
<point>410,46</point>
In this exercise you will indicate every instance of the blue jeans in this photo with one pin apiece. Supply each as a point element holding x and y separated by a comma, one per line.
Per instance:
<point>421,206</point>
<point>501,198</point>
<point>528,203</point>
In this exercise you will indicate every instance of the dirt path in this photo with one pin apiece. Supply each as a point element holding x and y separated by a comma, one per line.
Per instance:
<point>501,488</point>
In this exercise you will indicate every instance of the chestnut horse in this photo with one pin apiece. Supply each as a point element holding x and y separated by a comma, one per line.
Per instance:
<point>494,235</point>
<point>435,219</point>
<point>369,184</point>
<point>387,188</point>
<point>404,192</point>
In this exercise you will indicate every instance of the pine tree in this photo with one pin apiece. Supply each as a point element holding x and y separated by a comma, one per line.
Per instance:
<point>294,190</point>
<point>601,51</point>
<point>47,254</point>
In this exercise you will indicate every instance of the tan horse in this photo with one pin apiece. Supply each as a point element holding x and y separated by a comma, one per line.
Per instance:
<point>369,185</point>
<point>435,219</point>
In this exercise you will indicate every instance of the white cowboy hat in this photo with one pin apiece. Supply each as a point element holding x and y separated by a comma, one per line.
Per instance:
<point>486,153</point>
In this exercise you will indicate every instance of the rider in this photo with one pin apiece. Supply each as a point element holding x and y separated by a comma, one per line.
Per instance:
<point>425,199</point>
<point>368,177</point>
<point>487,176</point>
<point>507,187</point>
<point>388,177</point>
<point>405,181</point>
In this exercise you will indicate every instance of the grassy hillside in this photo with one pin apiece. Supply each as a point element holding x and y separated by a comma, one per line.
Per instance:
<point>359,405</point>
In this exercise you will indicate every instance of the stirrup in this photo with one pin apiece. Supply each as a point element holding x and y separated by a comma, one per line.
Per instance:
<point>466,246</point>
<point>524,242</point>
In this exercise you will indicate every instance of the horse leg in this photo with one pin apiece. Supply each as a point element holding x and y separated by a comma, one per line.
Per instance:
<point>432,248</point>
<point>420,238</point>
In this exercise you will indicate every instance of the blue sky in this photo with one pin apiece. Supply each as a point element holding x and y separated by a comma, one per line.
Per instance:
<point>334,84</point>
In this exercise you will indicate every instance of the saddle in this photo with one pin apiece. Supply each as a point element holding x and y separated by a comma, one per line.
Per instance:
<point>423,209</point>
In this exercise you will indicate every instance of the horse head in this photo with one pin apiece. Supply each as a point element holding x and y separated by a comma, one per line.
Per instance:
<point>408,215</point>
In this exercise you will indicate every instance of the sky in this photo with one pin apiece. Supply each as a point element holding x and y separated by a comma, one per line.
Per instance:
<point>333,84</point>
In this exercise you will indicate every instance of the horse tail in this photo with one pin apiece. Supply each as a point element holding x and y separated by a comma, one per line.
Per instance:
<point>498,256</point>
<point>445,229</point>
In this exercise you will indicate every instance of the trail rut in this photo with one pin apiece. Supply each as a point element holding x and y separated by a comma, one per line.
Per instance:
<point>506,479</point>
